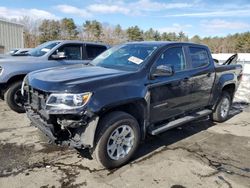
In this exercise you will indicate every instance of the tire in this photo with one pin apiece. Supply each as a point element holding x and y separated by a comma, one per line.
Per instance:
<point>110,134</point>
<point>223,107</point>
<point>13,97</point>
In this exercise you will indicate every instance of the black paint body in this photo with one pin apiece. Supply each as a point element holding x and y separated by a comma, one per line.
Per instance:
<point>158,98</point>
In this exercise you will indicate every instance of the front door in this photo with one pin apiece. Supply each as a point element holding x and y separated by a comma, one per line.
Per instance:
<point>73,53</point>
<point>170,95</point>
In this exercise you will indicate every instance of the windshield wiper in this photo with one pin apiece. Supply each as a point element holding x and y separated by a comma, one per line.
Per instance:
<point>27,54</point>
<point>89,63</point>
<point>20,54</point>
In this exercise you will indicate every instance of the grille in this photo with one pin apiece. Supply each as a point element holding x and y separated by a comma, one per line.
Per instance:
<point>37,99</point>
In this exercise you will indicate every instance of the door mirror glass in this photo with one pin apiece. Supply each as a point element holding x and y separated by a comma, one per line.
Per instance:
<point>59,55</point>
<point>163,70</point>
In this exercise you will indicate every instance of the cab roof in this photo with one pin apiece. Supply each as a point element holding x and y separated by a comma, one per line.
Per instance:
<point>164,43</point>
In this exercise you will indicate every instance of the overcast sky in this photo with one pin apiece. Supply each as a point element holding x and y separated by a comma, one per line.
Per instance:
<point>205,18</point>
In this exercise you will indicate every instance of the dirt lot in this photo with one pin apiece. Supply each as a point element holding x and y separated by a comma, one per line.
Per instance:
<point>199,154</point>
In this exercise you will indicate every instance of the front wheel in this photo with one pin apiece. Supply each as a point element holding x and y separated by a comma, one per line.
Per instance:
<point>223,107</point>
<point>117,139</point>
<point>14,98</point>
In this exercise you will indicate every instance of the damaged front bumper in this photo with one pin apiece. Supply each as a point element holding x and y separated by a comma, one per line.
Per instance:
<point>73,133</point>
<point>3,88</point>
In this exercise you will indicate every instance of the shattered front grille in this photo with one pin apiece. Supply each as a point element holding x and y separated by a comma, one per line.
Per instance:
<point>37,99</point>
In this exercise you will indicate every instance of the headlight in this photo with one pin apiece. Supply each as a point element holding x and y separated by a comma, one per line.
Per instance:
<point>67,101</point>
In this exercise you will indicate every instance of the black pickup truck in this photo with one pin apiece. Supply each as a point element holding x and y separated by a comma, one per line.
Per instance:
<point>131,90</point>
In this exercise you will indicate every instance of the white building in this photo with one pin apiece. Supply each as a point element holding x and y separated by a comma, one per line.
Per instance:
<point>11,36</point>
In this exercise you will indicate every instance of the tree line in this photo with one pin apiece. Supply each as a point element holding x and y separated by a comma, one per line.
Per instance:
<point>39,31</point>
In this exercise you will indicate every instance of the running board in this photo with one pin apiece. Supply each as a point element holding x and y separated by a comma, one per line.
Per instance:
<point>177,122</point>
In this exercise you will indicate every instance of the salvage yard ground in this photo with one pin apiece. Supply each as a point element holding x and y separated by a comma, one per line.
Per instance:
<point>198,154</point>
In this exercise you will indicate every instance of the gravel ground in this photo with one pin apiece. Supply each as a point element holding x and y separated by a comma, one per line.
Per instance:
<point>198,154</point>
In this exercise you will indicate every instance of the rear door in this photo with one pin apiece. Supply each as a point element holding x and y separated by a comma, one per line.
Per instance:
<point>202,76</point>
<point>170,95</point>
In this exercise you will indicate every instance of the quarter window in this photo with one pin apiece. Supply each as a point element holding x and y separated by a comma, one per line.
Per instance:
<point>173,57</point>
<point>199,57</point>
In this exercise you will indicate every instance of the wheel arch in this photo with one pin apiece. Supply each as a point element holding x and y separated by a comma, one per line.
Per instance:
<point>230,88</point>
<point>16,78</point>
<point>136,108</point>
<point>10,82</point>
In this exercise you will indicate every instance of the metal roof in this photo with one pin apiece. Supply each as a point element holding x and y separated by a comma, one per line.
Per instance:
<point>11,22</point>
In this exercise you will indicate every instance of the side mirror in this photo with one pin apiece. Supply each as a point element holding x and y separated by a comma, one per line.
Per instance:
<point>163,70</point>
<point>59,55</point>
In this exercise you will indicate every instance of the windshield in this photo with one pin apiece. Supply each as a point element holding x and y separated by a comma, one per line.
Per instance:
<point>125,57</point>
<point>42,49</point>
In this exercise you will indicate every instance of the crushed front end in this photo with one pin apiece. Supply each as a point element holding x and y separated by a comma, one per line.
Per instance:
<point>71,127</point>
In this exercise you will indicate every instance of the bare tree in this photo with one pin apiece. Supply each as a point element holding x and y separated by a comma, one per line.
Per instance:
<point>31,30</point>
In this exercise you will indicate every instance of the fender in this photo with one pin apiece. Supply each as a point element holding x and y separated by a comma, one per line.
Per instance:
<point>137,107</point>
<point>224,80</point>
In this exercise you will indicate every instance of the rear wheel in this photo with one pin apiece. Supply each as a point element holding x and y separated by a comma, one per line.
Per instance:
<point>13,97</point>
<point>223,107</point>
<point>117,139</point>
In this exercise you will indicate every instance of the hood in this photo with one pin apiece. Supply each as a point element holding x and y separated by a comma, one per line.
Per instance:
<point>69,78</point>
<point>17,59</point>
<point>4,56</point>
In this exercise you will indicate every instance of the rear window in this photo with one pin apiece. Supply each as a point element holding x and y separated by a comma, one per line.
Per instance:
<point>94,50</point>
<point>199,57</point>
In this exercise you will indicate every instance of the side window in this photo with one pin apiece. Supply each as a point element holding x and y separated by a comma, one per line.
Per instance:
<point>199,57</point>
<point>72,52</point>
<point>94,50</point>
<point>173,57</point>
